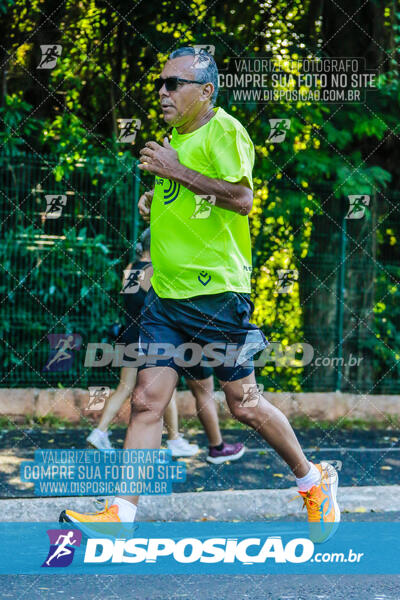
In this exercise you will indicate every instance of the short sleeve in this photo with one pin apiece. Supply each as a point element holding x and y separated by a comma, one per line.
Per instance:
<point>231,152</point>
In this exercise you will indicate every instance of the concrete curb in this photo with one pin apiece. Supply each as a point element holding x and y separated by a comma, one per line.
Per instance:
<point>246,505</point>
<point>72,403</point>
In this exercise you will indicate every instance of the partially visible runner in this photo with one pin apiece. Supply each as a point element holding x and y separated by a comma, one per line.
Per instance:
<point>202,280</point>
<point>199,379</point>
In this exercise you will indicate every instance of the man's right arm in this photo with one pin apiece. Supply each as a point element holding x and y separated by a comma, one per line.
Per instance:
<point>144,205</point>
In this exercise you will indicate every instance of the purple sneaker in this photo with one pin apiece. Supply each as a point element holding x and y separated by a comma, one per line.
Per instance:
<point>228,452</point>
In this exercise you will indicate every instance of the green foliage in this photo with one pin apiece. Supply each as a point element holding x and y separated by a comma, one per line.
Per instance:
<point>386,344</point>
<point>71,286</point>
<point>17,123</point>
<point>111,53</point>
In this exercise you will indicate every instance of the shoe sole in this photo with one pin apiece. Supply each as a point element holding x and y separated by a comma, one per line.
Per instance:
<point>184,454</point>
<point>334,486</point>
<point>64,518</point>
<point>91,445</point>
<point>81,525</point>
<point>221,459</point>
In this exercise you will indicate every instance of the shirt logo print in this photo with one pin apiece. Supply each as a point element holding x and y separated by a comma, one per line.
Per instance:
<point>171,192</point>
<point>204,277</point>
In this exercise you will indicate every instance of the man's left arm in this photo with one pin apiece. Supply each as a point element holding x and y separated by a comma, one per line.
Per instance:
<point>164,162</point>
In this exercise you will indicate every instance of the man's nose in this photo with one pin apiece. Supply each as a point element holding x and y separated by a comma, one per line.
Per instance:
<point>163,92</point>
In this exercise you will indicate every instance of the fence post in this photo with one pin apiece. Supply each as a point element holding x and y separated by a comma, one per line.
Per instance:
<point>339,304</point>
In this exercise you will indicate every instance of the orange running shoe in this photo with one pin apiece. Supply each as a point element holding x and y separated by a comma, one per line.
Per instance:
<point>105,522</point>
<point>322,508</point>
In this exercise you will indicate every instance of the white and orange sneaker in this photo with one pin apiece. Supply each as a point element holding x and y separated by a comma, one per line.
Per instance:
<point>105,522</point>
<point>322,507</point>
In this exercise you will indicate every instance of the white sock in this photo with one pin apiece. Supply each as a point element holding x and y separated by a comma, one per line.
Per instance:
<point>313,477</point>
<point>126,510</point>
<point>102,433</point>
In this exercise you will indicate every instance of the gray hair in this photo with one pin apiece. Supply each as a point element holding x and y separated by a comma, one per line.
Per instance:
<point>207,74</point>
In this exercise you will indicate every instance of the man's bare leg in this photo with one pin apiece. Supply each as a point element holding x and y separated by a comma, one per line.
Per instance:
<point>153,391</point>
<point>117,399</point>
<point>203,391</point>
<point>270,423</point>
<point>171,419</point>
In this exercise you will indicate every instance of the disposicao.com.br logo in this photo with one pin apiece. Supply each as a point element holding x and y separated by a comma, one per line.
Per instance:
<point>192,550</point>
<point>248,551</point>
<point>198,547</point>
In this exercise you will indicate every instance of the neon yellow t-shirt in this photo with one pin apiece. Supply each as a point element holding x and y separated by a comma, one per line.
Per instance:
<point>198,248</point>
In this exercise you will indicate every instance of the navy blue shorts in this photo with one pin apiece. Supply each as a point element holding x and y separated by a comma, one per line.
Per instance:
<point>197,372</point>
<point>211,331</point>
<point>130,335</point>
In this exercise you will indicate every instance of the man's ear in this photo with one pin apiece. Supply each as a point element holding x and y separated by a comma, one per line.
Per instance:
<point>207,92</point>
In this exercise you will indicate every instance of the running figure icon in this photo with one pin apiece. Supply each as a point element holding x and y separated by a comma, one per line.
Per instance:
<point>63,347</point>
<point>62,549</point>
<point>63,543</point>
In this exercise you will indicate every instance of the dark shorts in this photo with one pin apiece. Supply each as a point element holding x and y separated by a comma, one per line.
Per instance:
<point>130,335</point>
<point>197,372</point>
<point>211,331</point>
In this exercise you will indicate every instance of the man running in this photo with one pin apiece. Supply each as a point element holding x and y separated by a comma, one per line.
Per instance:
<point>199,379</point>
<point>201,281</point>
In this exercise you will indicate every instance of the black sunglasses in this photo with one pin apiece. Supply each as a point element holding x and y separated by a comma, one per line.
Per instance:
<point>171,83</point>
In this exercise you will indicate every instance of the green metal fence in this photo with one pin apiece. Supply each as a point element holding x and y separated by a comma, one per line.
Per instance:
<point>63,275</point>
<point>350,291</point>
